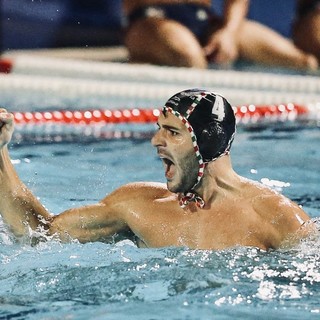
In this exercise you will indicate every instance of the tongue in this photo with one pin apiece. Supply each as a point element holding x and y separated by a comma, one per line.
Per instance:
<point>170,170</point>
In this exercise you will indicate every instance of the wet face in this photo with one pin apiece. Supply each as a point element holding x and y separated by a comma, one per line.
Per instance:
<point>175,148</point>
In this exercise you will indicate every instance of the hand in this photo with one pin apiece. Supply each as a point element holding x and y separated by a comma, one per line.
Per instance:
<point>6,127</point>
<point>222,47</point>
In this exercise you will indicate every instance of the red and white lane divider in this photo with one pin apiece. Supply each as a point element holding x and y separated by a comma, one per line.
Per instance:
<point>289,112</point>
<point>6,65</point>
<point>88,116</point>
<point>244,114</point>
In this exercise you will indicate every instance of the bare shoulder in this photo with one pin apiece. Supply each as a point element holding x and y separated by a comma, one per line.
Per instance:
<point>140,191</point>
<point>283,220</point>
<point>265,199</point>
<point>152,188</point>
<point>273,206</point>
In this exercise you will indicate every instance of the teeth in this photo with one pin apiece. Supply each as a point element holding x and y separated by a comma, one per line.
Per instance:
<point>165,159</point>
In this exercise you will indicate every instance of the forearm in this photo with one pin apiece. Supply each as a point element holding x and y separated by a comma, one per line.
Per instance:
<point>18,206</point>
<point>235,11</point>
<point>88,223</point>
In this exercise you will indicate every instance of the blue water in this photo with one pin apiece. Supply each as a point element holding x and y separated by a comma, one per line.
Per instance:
<point>119,281</point>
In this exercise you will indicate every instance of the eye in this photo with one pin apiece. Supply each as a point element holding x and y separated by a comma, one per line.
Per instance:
<point>173,132</point>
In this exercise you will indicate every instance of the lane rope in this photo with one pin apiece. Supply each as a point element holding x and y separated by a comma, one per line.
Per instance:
<point>125,92</point>
<point>6,65</point>
<point>244,114</point>
<point>85,126</point>
<point>74,68</point>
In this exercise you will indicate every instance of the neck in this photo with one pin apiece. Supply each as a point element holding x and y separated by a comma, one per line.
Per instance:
<point>219,177</point>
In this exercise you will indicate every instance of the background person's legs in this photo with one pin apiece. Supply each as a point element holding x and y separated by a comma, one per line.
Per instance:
<point>306,33</point>
<point>163,42</point>
<point>167,42</point>
<point>263,45</point>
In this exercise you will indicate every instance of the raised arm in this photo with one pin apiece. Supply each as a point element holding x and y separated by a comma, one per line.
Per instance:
<point>21,210</point>
<point>18,206</point>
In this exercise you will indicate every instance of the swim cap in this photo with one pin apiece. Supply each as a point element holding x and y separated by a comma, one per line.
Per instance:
<point>210,120</point>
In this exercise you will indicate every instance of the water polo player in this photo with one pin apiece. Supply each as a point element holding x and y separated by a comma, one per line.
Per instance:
<point>210,120</point>
<point>205,204</point>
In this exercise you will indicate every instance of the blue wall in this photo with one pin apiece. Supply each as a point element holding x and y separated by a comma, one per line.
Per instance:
<point>277,14</point>
<point>58,23</point>
<point>52,23</point>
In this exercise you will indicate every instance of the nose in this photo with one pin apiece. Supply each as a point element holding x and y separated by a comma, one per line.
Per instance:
<point>158,139</point>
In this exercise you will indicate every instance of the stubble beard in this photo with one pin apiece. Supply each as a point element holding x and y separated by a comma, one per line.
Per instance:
<point>189,168</point>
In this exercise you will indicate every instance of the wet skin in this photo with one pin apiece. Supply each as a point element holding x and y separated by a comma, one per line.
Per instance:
<point>237,212</point>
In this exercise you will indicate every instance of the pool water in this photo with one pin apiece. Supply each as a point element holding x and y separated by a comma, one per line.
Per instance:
<point>120,281</point>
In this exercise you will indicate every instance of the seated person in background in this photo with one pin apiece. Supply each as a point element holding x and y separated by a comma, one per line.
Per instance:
<point>204,205</point>
<point>185,33</point>
<point>306,28</point>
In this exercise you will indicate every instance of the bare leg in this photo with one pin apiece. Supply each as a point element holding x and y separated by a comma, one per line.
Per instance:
<point>306,33</point>
<point>164,42</point>
<point>260,44</point>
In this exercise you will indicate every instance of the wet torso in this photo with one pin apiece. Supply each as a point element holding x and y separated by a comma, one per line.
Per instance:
<point>235,218</point>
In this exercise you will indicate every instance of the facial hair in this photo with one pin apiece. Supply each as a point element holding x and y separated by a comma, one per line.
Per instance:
<point>189,167</point>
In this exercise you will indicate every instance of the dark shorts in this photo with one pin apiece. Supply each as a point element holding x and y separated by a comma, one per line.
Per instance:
<point>194,17</point>
<point>307,6</point>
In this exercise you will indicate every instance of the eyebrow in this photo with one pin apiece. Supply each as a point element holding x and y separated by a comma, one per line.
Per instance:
<point>168,127</point>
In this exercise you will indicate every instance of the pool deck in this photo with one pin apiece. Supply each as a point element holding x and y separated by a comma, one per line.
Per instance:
<point>111,54</point>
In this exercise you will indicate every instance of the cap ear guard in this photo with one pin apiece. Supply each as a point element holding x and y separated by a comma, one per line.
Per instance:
<point>214,135</point>
<point>213,122</point>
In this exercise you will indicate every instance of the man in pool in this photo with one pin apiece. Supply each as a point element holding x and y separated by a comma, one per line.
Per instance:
<point>204,205</point>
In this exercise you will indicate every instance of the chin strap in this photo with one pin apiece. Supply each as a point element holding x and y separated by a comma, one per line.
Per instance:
<point>188,197</point>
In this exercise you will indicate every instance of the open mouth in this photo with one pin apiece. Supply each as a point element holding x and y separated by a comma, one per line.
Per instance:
<point>169,167</point>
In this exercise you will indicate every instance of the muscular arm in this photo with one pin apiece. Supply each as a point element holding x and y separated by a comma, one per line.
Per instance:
<point>96,222</point>
<point>284,222</point>
<point>18,206</point>
<point>21,210</point>
<point>124,212</point>
<point>294,225</point>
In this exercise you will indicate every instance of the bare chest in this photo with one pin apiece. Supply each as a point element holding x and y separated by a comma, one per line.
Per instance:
<point>213,229</point>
